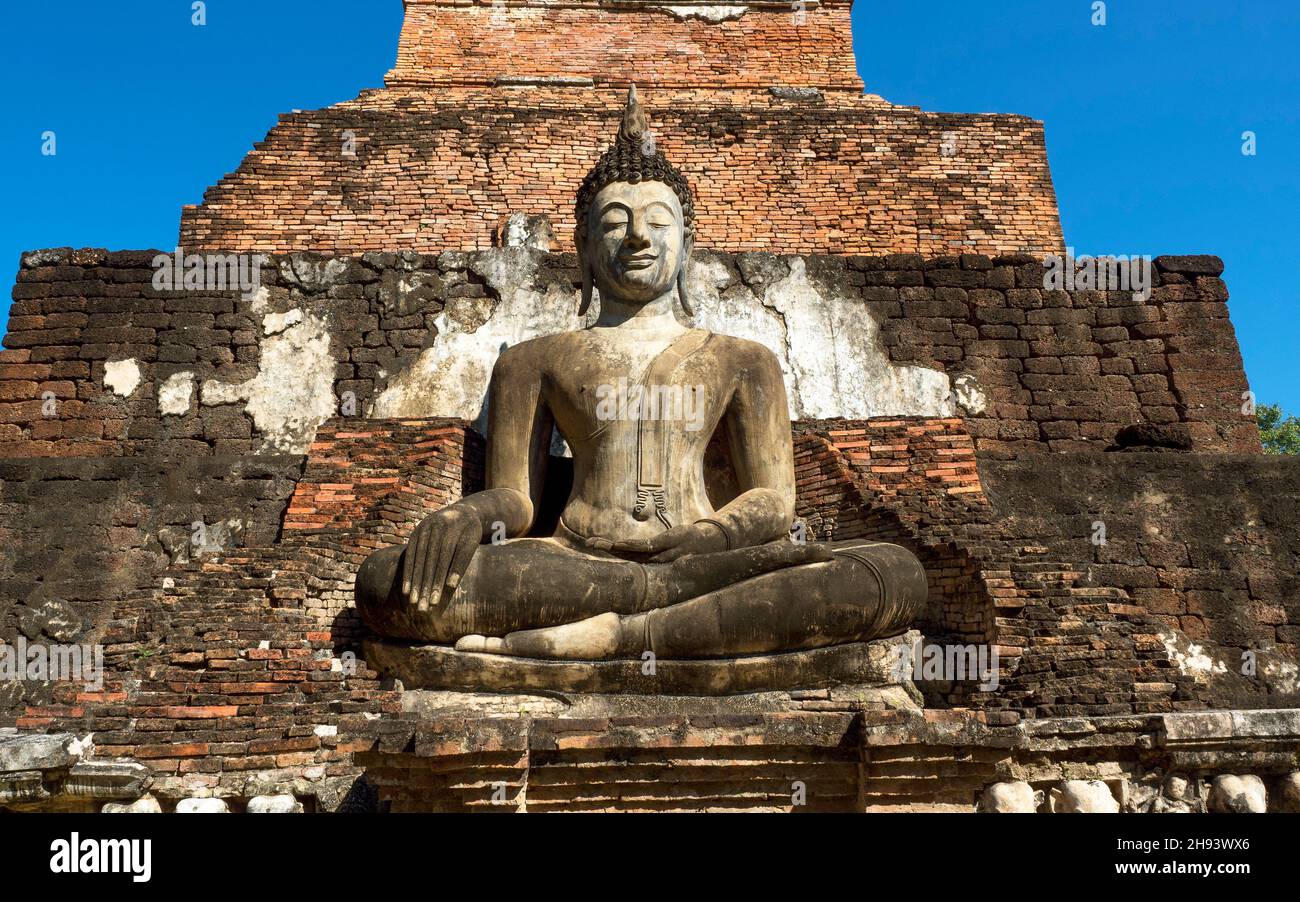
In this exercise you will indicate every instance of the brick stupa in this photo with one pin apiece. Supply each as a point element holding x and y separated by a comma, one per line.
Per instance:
<point>189,479</point>
<point>487,114</point>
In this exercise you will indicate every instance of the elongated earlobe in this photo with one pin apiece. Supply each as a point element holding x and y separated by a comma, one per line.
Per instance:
<point>681,277</point>
<point>585,265</point>
<point>586,289</point>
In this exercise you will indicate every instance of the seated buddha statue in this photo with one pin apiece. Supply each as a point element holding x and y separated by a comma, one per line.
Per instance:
<point>640,560</point>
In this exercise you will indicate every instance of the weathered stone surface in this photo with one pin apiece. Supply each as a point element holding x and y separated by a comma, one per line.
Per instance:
<point>1083,797</point>
<point>279,804</point>
<point>107,780</point>
<point>202,806</point>
<point>22,787</point>
<point>1198,726</point>
<point>1009,798</point>
<point>51,618</point>
<point>1231,794</point>
<point>40,752</point>
<point>146,805</point>
<point>1280,724</point>
<point>806,94</point>
<point>1191,265</point>
<point>440,667</point>
<point>1287,796</point>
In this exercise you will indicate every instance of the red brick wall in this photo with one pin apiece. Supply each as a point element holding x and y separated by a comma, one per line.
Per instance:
<point>844,174</point>
<point>496,110</point>
<point>237,669</point>
<point>1062,371</point>
<point>455,44</point>
<point>908,480</point>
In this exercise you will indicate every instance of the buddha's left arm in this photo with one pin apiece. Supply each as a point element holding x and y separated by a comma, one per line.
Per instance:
<point>762,452</point>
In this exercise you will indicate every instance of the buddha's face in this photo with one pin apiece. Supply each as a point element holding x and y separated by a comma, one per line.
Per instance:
<point>635,241</point>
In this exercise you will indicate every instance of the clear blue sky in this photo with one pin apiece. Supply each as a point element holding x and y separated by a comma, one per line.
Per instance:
<point>1144,118</point>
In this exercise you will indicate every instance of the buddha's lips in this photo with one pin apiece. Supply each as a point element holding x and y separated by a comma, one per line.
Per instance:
<point>640,262</point>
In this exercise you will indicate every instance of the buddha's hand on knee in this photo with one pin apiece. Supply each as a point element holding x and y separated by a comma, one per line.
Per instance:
<point>438,555</point>
<point>703,537</point>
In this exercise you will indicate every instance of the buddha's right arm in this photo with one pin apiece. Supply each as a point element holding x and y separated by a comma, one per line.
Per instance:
<point>519,437</point>
<point>504,512</point>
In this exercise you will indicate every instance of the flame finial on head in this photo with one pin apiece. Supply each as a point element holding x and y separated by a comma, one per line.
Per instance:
<point>634,126</point>
<point>635,157</point>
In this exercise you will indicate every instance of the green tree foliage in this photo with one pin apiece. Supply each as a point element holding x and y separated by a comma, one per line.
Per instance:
<point>1281,434</point>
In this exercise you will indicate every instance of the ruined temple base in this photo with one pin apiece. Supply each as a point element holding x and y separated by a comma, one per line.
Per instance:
<point>441,667</point>
<point>813,751</point>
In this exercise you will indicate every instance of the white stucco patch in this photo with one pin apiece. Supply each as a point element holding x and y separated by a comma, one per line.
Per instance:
<point>122,377</point>
<point>450,378</point>
<point>1190,658</point>
<point>712,13</point>
<point>275,323</point>
<point>968,394</point>
<point>293,391</point>
<point>827,343</point>
<point>175,394</point>
<point>261,300</point>
<point>1282,676</point>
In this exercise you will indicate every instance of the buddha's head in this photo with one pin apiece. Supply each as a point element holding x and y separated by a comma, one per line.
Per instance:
<point>635,219</point>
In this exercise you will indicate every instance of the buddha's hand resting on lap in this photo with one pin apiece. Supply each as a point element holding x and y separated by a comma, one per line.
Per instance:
<point>438,555</point>
<point>703,537</point>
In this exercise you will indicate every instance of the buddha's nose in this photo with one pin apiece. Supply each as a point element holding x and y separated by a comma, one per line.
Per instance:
<point>638,236</point>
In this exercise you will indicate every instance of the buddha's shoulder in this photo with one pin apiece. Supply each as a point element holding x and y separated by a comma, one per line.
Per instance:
<point>743,351</point>
<point>537,349</point>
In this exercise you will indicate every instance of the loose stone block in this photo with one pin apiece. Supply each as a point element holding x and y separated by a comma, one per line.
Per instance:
<point>1232,794</point>
<point>279,804</point>
<point>146,805</point>
<point>1010,798</point>
<point>202,806</point>
<point>1083,797</point>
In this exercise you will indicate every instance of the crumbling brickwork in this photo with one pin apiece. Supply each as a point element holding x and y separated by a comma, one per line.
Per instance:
<point>1057,370</point>
<point>79,535</point>
<point>804,175</point>
<point>908,481</point>
<point>486,115</point>
<point>767,43</point>
<point>228,672</point>
<point>191,478</point>
<point>238,672</point>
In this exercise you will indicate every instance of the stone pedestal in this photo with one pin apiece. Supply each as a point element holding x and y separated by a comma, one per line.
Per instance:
<point>823,750</point>
<point>862,664</point>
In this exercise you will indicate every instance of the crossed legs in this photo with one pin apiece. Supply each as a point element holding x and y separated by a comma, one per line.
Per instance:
<point>536,598</point>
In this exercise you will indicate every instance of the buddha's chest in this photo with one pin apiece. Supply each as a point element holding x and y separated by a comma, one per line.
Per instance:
<point>674,388</point>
